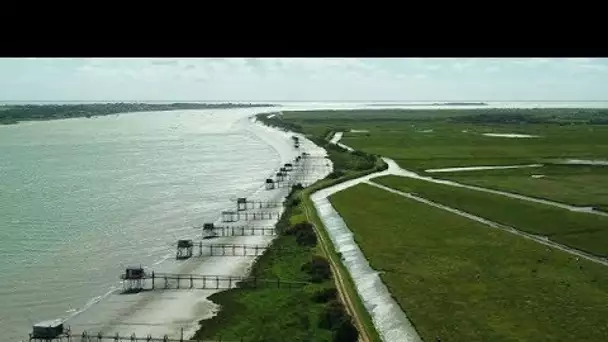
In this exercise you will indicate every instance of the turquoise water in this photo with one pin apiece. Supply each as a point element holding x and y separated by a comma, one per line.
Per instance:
<point>81,199</point>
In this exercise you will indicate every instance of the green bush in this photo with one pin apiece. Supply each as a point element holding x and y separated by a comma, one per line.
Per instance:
<point>325,295</point>
<point>333,316</point>
<point>304,233</point>
<point>318,269</point>
<point>346,332</point>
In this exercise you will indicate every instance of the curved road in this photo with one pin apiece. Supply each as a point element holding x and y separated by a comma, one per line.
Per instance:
<point>403,330</point>
<point>395,169</point>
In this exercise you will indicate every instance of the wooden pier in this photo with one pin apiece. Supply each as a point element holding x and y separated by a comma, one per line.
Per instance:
<point>99,337</point>
<point>234,216</point>
<point>211,231</point>
<point>245,204</point>
<point>229,249</point>
<point>171,281</point>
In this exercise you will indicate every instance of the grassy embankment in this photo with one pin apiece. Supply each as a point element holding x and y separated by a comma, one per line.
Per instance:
<point>347,166</point>
<point>425,139</point>
<point>312,313</point>
<point>462,281</point>
<point>583,231</point>
<point>12,114</point>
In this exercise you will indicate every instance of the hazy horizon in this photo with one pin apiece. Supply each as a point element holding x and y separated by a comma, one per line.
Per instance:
<point>294,101</point>
<point>303,79</point>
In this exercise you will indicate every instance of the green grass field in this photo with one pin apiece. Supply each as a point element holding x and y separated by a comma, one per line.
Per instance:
<point>427,139</point>
<point>462,281</point>
<point>421,139</point>
<point>586,232</point>
<point>441,145</point>
<point>572,184</point>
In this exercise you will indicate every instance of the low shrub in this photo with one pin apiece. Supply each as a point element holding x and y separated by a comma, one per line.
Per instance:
<point>318,269</point>
<point>304,233</point>
<point>325,295</point>
<point>346,332</point>
<point>332,316</point>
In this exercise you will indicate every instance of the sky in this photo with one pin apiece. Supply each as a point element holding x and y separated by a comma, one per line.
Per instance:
<point>304,79</point>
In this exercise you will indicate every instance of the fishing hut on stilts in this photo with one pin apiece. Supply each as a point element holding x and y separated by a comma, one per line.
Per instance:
<point>184,249</point>
<point>53,330</point>
<point>209,231</point>
<point>241,204</point>
<point>269,184</point>
<point>134,279</point>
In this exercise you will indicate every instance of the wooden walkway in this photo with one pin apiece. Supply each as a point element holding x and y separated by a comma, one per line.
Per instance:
<point>234,216</point>
<point>230,250</point>
<point>99,337</point>
<point>241,230</point>
<point>153,281</point>
<point>253,204</point>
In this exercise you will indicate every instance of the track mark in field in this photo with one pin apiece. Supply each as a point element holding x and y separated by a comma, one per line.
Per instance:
<point>538,238</point>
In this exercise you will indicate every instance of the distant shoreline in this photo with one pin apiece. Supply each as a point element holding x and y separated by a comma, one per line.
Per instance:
<point>14,114</point>
<point>430,104</point>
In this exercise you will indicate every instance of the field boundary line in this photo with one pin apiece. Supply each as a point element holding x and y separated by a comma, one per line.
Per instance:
<point>399,171</point>
<point>537,238</point>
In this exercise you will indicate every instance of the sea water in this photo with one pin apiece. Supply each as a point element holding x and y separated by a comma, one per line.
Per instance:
<point>81,199</point>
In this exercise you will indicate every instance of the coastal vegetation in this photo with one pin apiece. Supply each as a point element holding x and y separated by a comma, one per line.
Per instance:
<point>302,251</point>
<point>345,163</point>
<point>310,313</point>
<point>459,280</point>
<point>11,114</point>
<point>314,312</point>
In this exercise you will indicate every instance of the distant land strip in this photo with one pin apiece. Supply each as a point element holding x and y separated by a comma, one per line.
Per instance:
<point>429,104</point>
<point>12,114</point>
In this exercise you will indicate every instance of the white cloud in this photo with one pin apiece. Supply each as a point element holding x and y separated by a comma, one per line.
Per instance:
<point>301,78</point>
<point>579,60</point>
<point>463,64</point>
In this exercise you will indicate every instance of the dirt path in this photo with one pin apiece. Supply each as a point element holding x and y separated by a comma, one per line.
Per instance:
<point>395,169</point>
<point>364,335</point>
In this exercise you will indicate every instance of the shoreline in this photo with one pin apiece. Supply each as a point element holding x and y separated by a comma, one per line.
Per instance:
<point>101,109</point>
<point>167,312</point>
